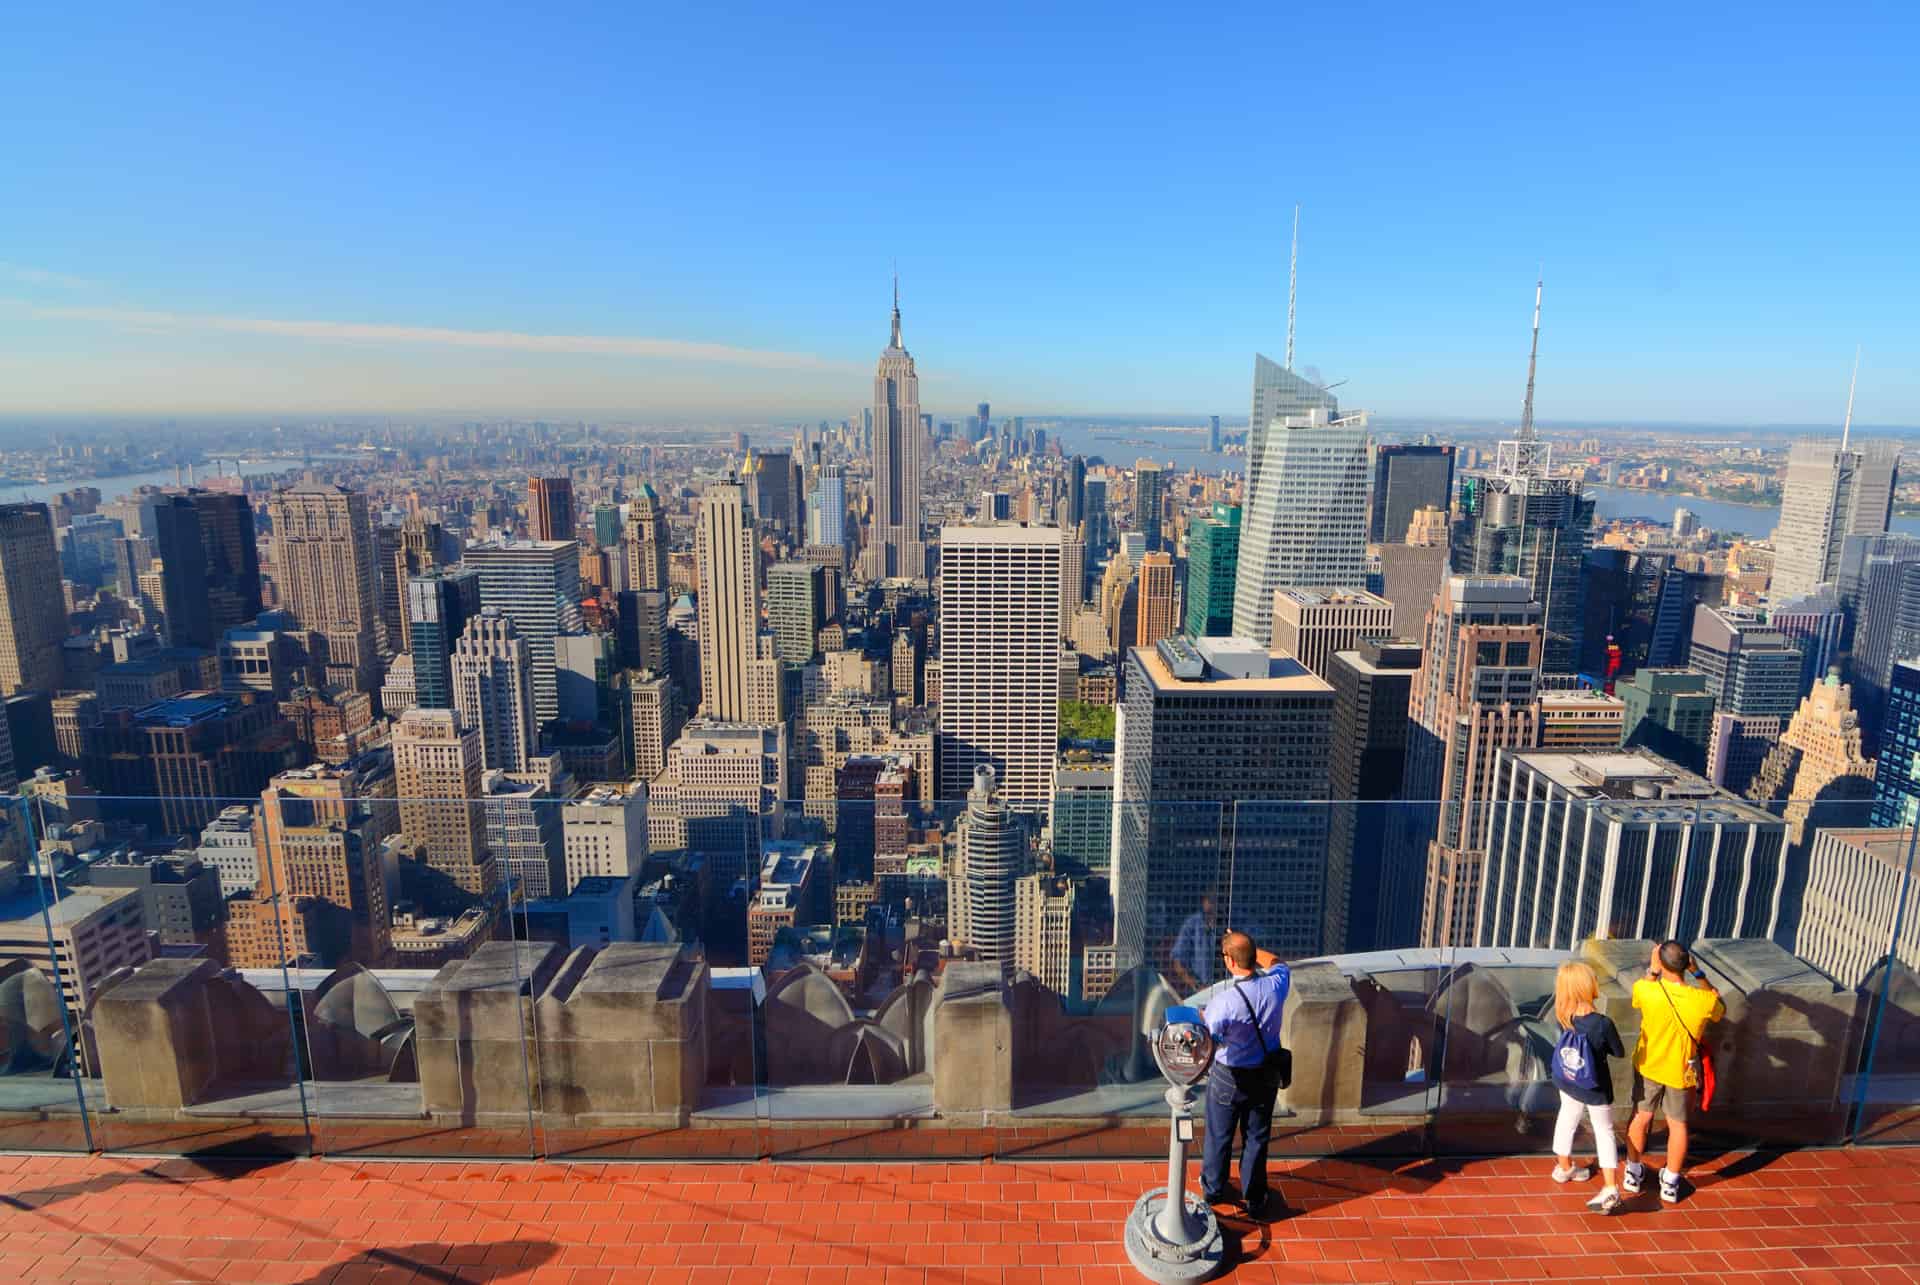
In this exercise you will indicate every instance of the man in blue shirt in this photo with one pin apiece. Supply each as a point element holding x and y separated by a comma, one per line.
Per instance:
<point>1193,949</point>
<point>1244,1018</point>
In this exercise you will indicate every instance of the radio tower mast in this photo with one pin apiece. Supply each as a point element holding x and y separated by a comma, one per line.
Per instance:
<point>1528,457</point>
<point>1846,425</point>
<point>1293,282</point>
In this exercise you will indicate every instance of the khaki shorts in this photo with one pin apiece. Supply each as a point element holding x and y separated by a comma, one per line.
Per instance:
<point>1651,1096</point>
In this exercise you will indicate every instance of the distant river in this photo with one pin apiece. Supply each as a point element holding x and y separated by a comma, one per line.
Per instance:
<point>1745,519</point>
<point>113,487</point>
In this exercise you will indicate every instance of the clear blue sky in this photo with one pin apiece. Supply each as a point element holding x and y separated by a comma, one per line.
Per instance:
<point>1089,207</point>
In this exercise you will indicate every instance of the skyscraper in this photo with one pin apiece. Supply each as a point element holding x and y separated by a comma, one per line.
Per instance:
<point>1312,624</point>
<point>1754,673</point>
<point>440,601</point>
<point>1156,605</point>
<point>1279,394</point>
<point>550,508</point>
<point>320,829</point>
<point>993,846</point>
<point>1474,697</point>
<point>827,508</point>
<point>1879,593</point>
<point>1213,558</point>
<point>1372,684</point>
<point>1406,479</point>
<point>647,542</point>
<point>1521,520</point>
<point>895,547</point>
<point>1000,648</point>
<point>437,772</point>
<point>1199,813</point>
<point>1306,523</point>
<point>183,573</point>
<point>1149,500</point>
<point>1411,573</point>
<point>1076,492</point>
<point>491,692</point>
<point>1831,492</point>
<point>1669,711</point>
<point>1621,846</point>
<point>728,558</point>
<point>776,497</point>
<point>796,609</point>
<point>232,559</point>
<point>535,584</point>
<point>324,566</point>
<point>1896,786</point>
<point>1818,767</point>
<point>1213,434</point>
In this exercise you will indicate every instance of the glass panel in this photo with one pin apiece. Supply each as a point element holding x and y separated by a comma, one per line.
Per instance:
<point>1861,895</point>
<point>48,1082</point>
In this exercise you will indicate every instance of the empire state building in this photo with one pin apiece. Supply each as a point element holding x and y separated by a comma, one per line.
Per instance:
<point>894,546</point>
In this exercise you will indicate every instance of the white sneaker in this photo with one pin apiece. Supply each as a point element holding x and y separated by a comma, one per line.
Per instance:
<point>1630,1180</point>
<point>1579,1173</point>
<point>1669,1187</point>
<point>1606,1202</point>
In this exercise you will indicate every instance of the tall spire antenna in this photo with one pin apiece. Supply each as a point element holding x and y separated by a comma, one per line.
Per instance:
<point>1847,425</point>
<point>1533,360</point>
<point>1293,282</point>
<point>896,304</point>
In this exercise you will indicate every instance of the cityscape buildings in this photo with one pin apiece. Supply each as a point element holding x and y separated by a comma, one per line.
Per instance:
<point>1407,477</point>
<point>1306,522</point>
<point>1312,624</point>
<point>1830,493</point>
<point>535,584</point>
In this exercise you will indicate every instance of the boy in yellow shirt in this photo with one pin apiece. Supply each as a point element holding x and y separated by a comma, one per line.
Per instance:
<point>1673,1023</point>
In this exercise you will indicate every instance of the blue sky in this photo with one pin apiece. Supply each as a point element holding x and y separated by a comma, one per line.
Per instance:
<point>691,214</point>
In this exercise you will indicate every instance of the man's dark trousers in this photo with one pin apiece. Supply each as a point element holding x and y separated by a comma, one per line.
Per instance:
<point>1239,1099</point>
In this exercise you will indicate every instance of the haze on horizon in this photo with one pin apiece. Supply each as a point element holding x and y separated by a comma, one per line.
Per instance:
<point>694,216</point>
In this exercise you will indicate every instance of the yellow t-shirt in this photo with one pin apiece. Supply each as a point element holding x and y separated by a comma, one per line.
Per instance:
<point>1665,1045</point>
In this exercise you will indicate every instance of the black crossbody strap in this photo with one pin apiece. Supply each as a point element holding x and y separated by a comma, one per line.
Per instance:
<point>1683,1021</point>
<point>1253,1017</point>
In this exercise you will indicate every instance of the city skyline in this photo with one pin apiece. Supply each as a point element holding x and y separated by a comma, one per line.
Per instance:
<point>295,261</point>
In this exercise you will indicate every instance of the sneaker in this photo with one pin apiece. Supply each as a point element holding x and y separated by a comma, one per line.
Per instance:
<point>1606,1202</point>
<point>1669,1187</point>
<point>1630,1180</point>
<point>1579,1173</point>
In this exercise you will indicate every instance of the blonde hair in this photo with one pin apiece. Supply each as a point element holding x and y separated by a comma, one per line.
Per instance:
<point>1574,985</point>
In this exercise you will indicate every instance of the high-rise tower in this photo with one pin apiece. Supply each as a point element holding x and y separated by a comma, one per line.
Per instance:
<point>324,564</point>
<point>646,541</point>
<point>1306,523</point>
<point>894,546</point>
<point>491,693</point>
<point>1831,492</point>
<point>33,618</point>
<point>729,600</point>
<point>550,508</point>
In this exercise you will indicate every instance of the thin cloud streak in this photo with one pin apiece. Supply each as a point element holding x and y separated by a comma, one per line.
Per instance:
<point>42,277</point>
<point>494,340</point>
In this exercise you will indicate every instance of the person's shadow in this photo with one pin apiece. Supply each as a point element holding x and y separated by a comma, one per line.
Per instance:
<point>220,1163</point>
<point>425,1262</point>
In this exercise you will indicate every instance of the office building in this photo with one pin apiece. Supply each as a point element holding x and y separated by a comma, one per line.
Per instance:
<point>1213,434</point>
<point>1830,493</point>
<point>33,616</point>
<point>321,896</point>
<point>789,876</point>
<point>1473,698</point>
<point>535,584</point>
<point>440,602</point>
<point>1818,767</point>
<point>1076,492</point>
<point>1000,648</point>
<point>492,694</point>
<point>189,754</point>
<point>598,912</point>
<point>550,508</point>
<point>604,830</point>
<point>1149,502</point>
<point>796,609</point>
<point>894,544</point>
<point>94,933</point>
<point>1369,885</point>
<point>399,691</point>
<point>1082,818</point>
<point>524,836</point>
<point>1852,915</point>
<point>722,792</point>
<point>1520,520</point>
<point>1306,521</point>
<point>227,847</point>
<point>1096,523</point>
<point>1312,624</point>
<point>180,900</point>
<point>640,627</point>
<point>1579,719</point>
<point>993,856</point>
<point>1213,560</point>
<point>774,481</point>
<point>1156,606</point>
<point>1896,787</point>
<point>1279,394</point>
<point>1670,712</point>
<point>648,543</point>
<point>584,666</point>
<point>1220,775</point>
<point>325,571</point>
<point>1753,672</point>
<point>437,767</point>
<point>1406,479</point>
<point>657,717</point>
<point>1816,625</point>
<point>184,604</point>
<point>1410,573</point>
<point>827,509</point>
<point>1043,931</point>
<point>1620,846</point>
<point>1879,596</point>
<point>729,603</point>
<point>232,559</point>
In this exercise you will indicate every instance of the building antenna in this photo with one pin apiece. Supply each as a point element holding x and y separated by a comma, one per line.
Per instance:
<point>1293,282</point>
<point>1533,360</point>
<point>1846,425</point>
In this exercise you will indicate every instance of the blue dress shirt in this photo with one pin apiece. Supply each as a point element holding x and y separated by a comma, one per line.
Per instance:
<point>1232,1027</point>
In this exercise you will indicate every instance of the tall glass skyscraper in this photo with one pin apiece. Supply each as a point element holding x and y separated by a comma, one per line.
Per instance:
<point>1831,493</point>
<point>1213,558</point>
<point>536,584</point>
<point>1896,783</point>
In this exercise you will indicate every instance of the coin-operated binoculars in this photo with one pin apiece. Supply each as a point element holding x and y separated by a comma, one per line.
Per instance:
<point>1172,1236</point>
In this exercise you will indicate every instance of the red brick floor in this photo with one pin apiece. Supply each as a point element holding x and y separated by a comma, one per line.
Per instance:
<point>1802,1216</point>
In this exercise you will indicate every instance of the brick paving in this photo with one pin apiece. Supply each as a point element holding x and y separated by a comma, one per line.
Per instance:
<point>1814,1216</point>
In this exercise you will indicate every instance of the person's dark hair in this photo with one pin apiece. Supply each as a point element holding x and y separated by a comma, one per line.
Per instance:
<point>1674,957</point>
<point>1238,948</point>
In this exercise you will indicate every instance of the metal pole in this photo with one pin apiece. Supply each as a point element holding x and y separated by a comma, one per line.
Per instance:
<point>1173,1224</point>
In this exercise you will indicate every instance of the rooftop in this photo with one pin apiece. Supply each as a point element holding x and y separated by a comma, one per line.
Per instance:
<point>1224,667</point>
<point>183,711</point>
<point>1807,1216</point>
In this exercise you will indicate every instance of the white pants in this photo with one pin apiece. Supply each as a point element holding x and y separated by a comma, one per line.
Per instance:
<point>1599,1116</point>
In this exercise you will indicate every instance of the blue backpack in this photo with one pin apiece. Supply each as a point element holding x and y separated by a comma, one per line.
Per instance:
<point>1574,1065</point>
